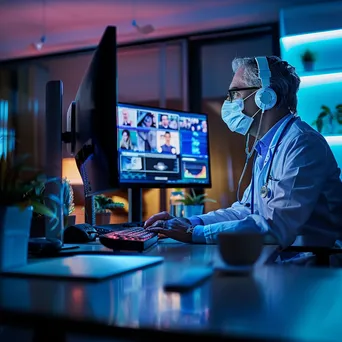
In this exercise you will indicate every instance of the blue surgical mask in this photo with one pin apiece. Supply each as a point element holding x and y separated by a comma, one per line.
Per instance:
<point>232,115</point>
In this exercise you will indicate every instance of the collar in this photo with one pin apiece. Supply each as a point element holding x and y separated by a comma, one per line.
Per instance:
<point>264,143</point>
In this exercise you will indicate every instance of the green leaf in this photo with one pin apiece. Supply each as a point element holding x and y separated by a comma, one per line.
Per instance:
<point>209,200</point>
<point>322,115</point>
<point>326,109</point>
<point>55,199</point>
<point>319,125</point>
<point>195,199</point>
<point>42,209</point>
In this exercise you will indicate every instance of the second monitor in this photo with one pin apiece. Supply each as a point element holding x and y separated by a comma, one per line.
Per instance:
<point>162,148</point>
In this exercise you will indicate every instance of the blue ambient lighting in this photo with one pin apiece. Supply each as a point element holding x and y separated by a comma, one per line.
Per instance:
<point>334,139</point>
<point>320,79</point>
<point>310,37</point>
<point>322,85</point>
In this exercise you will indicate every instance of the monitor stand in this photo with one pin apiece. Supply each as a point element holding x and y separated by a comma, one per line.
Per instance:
<point>162,200</point>
<point>135,213</point>
<point>135,201</point>
<point>89,210</point>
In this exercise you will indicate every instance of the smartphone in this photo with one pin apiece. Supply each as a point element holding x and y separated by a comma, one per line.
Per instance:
<point>188,280</point>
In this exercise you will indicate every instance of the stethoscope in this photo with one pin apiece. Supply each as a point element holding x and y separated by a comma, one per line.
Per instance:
<point>264,190</point>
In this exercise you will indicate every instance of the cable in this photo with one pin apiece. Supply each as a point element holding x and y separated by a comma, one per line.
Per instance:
<point>248,156</point>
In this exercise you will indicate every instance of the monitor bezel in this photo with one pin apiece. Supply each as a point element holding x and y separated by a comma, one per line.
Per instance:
<point>145,185</point>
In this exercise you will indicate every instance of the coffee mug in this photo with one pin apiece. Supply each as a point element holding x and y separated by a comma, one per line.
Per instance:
<point>240,248</point>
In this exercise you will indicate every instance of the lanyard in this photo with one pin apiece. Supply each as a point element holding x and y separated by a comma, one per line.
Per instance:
<point>252,185</point>
<point>264,191</point>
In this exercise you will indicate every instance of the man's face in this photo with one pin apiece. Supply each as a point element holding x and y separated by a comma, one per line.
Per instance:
<point>250,108</point>
<point>165,120</point>
<point>125,115</point>
<point>167,138</point>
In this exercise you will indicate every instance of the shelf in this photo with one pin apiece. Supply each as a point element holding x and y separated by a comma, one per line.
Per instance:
<point>326,45</point>
<point>333,139</point>
<point>319,78</point>
<point>300,39</point>
<point>305,20</point>
<point>315,27</point>
<point>319,72</point>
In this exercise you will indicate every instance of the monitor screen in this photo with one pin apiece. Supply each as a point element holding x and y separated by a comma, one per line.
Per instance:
<point>162,148</point>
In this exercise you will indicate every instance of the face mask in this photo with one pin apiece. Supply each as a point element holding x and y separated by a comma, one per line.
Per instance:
<point>232,115</point>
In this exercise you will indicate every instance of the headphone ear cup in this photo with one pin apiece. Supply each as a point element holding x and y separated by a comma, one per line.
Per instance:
<point>265,98</point>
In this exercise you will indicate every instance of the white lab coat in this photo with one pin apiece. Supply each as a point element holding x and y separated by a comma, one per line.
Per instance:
<point>305,202</point>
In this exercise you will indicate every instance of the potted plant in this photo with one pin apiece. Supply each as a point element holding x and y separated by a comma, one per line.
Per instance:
<point>38,220</point>
<point>68,205</point>
<point>37,195</point>
<point>194,204</point>
<point>308,60</point>
<point>19,189</point>
<point>103,208</point>
<point>339,113</point>
<point>327,119</point>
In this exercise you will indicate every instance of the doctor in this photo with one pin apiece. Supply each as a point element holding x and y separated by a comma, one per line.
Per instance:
<point>295,192</point>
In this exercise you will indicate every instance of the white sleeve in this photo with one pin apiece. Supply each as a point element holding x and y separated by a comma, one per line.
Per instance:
<point>295,197</point>
<point>236,212</point>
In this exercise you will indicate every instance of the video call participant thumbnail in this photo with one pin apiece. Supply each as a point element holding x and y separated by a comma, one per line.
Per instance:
<point>146,119</point>
<point>168,121</point>
<point>167,147</point>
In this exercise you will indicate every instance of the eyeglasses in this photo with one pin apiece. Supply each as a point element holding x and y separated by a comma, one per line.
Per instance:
<point>233,94</point>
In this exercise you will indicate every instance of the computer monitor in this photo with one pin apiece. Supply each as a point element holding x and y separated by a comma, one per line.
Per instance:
<point>162,148</point>
<point>97,138</point>
<point>92,120</point>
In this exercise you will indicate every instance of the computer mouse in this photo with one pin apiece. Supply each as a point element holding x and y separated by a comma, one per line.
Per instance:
<point>80,233</point>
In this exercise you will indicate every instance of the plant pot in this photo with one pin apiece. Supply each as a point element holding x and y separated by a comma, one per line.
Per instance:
<point>15,225</point>
<point>37,226</point>
<point>102,218</point>
<point>193,210</point>
<point>308,66</point>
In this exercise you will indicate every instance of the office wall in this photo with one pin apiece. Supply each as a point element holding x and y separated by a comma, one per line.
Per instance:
<point>145,76</point>
<point>139,71</point>
<point>152,75</point>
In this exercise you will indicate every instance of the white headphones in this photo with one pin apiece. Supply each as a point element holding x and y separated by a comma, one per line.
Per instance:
<point>265,98</point>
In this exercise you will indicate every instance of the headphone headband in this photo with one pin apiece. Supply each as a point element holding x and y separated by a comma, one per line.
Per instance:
<point>264,72</point>
<point>265,98</point>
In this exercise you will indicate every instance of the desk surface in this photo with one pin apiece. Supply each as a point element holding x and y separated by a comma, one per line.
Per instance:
<point>291,302</point>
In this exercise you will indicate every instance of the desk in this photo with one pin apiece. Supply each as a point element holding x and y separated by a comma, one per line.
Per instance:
<point>172,250</point>
<point>291,303</point>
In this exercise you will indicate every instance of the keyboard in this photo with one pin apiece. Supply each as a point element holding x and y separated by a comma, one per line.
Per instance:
<point>130,239</point>
<point>108,228</point>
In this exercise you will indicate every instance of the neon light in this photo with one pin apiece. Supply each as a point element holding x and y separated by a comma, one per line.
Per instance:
<point>310,37</point>
<point>311,80</point>
<point>334,139</point>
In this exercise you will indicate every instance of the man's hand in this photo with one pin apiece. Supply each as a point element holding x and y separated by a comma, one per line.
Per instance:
<point>175,228</point>
<point>163,216</point>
